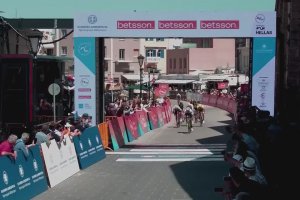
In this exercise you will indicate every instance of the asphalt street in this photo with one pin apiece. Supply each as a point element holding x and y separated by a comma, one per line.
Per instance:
<point>164,164</point>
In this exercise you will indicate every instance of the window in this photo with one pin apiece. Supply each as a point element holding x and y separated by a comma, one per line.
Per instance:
<point>136,52</point>
<point>160,53</point>
<point>160,39</point>
<point>180,62</point>
<point>64,32</point>
<point>149,39</point>
<point>64,51</point>
<point>122,54</point>
<point>174,63</point>
<point>207,43</point>
<point>151,53</point>
<point>49,52</point>
<point>105,51</point>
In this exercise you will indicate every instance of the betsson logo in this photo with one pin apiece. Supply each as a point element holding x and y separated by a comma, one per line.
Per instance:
<point>135,24</point>
<point>219,24</point>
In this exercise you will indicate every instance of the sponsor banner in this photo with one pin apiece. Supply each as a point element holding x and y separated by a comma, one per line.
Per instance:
<point>122,129</point>
<point>89,148</point>
<point>162,24</point>
<point>162,90</point>
<point>222,85</point>
<point>263,72</point>
<point>131,127</point>
<point>85,77</point>
<point>60,160</point>
<point>22,178</point>
<point>220,102</point>
<point>113,137</point>
<point>144,126</point>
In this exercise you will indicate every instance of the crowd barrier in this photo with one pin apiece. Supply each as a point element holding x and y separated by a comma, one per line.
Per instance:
<point>60,160</point>
<point>24,177</point>
<point>89,148</point>
<point>122,130</point>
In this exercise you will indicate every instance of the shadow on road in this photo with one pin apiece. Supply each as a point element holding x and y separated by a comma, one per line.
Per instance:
<point>192,175</point>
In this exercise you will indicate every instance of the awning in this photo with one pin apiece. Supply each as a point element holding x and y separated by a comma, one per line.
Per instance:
<point>133,87</point>
<point>173,81</point>
<point>132,77</point>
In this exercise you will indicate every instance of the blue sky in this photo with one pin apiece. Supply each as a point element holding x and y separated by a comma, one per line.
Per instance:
<point>69,8</point>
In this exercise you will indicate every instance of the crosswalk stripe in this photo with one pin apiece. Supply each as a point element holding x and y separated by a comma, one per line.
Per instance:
<point>167,159</point>
<point>176,150</point>
<point>161,152</point>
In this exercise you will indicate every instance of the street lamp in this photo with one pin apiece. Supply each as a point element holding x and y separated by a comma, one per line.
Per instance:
<point>149,89</point>
<point>141,62</point>
<point>35,37</point>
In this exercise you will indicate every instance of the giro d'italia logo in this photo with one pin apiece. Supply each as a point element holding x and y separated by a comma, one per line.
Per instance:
<point>97,140</point>
<point>92,19</point>
<point>81,146</point>
<point>89,141</point>
<point>21,171</point>
<point>84,49</point>
<point>35,165</point>
<point>5,177</point>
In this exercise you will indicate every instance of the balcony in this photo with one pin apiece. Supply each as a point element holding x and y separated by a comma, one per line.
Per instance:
<point>152,59</point>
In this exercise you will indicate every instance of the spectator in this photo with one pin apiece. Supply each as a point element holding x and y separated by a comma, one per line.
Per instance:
<point>42,136</point>
<point>252,172</point>
<point>21,144</point>
<point>7,146</point>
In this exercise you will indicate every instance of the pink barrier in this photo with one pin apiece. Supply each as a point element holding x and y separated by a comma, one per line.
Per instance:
<point>232,106</point>
<point>164,114</point>
<point>143,121</point>
<point>122,127</point>
<point>131,123</point>
<point>205,99</point>
<point>212,100</point>
<point>153,118</point>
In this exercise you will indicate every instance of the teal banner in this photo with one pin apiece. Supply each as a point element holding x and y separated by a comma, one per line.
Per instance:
<point>89,148</point>
<point>23,178</point>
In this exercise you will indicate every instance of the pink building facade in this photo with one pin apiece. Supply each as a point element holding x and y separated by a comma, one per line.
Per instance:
<point>221,54</point>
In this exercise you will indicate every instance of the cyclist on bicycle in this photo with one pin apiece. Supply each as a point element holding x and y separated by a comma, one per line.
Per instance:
<point>189,112</point>
<point>201,111</point>
<point>177,111</point>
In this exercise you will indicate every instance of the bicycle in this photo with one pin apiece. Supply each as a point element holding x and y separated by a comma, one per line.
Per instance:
<point>178,118</point>
<point>201,117</point>
<point>189,122</point>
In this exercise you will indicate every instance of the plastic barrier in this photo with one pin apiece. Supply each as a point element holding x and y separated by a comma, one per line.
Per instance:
<point>232,106</point>
<point>131,127</point>
<point>123,129</point>
<point>153,119</point>
<point>60,160</point>
<point>205,99</point>
<point>143,122</point>
<point>89,148</point>
<point>103,130</point>
<point>164,114</point>
<point>117,139</point>
<point>212,100</point>
<point>22,179</point>
<point>159,116</point>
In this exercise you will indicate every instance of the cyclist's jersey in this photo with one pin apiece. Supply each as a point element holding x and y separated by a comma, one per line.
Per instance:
<point>200,108</point>
<point>188,112</point>
<point>180,105</point>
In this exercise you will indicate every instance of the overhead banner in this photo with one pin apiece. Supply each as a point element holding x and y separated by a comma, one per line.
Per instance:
<point>22,178</point>
<point>263,70</point>
<point>85,77</point>
<point>189,24</point>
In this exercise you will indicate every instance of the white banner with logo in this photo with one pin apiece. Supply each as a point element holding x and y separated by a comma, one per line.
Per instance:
<point>154,24</point>
<point>60,160</point>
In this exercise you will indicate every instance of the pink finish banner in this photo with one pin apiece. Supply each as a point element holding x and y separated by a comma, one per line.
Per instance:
<point>131,127</point>
<point>121,124</point>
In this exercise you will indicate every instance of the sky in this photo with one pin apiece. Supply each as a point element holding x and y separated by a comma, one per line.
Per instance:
<point>44,9</point>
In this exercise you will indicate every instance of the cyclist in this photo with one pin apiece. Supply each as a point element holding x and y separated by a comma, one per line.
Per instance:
<point>201,111</point>
<point>189,117</point>
<point>177,112</point>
